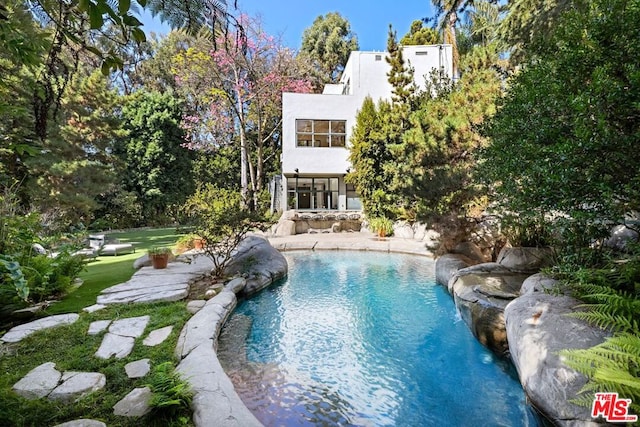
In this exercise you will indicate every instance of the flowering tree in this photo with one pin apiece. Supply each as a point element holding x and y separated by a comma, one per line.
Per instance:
<point>236,95</point>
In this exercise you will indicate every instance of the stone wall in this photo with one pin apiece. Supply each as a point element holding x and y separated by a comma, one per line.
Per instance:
<point>507,306</point>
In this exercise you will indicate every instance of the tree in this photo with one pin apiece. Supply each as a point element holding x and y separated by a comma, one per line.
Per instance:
<point>419,34</point>
<point>527,22</point>
<point>236,97</point>
<point>79,165</point>
<point>328,42</point>
<point>221,221</point>
<point>447,13</point>
<point>156,167</point>
<point>370,157</point>
<point>437,150</point>
<point>564,141</point>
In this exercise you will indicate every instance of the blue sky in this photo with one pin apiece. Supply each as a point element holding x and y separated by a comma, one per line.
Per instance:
<point>369,19</point>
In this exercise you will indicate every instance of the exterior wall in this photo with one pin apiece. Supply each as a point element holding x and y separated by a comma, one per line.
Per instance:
<point>315,160</point>
<point>365,74</point>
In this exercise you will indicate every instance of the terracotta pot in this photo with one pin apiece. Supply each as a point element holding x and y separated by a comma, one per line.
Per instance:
<point>198,243</point>
<point>160,261</point>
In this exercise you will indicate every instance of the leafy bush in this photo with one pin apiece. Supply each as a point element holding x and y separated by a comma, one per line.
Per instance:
<point>48,277</point>
<point>564,139</point>
<point>25,274</point>
<point>381,225</point>
<point>222,222</point>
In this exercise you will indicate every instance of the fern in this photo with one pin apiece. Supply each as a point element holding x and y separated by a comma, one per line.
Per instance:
<point>171,393</point>
<point>610,302</point>
<point>613,365</point>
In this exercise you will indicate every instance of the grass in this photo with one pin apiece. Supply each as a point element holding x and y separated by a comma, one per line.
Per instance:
<point>110,270</point>
<point>72,349</point>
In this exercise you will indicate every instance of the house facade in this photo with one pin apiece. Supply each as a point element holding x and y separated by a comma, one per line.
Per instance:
<point>316,128</point>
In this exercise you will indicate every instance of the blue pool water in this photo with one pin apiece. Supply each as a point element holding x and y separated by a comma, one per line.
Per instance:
<point>365,339</point>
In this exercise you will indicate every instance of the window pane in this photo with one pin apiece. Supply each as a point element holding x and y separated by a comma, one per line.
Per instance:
<point>334,184</point>
<point>304,140</point>
<point>304,126</point>
<point>321,126</point>
<point>338,126</point>
<point>320,184</point>
<point>321,140</point>
<point>338,140</point>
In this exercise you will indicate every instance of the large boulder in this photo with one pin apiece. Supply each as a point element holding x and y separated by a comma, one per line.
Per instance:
<point>259,262</point>
<point>403,230</point>
<point>538,328</point>
<point>471,251</point>
<point>538,282</point>
<point>448,265</point>
<point>284,227</point>
<point>525,259</point>
<point>620,238</point>
<point>481,293</point>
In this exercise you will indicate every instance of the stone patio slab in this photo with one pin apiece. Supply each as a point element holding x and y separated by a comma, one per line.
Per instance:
<point>129,327</point>
<point>20,332</point>
<point>98,326</point>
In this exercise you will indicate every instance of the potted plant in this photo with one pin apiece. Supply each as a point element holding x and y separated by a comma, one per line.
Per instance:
<point>382,226</point>
<point>159,257</point>
<point>190,241</point>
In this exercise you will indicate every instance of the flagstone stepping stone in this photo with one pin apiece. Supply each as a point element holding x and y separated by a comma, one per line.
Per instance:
<point>119,340</point>
<point>82,423</point>
<point>129,327</point>
<point>158,336</point>
<point>93,308</point>
<point>134,404</point>
<point>46,381</point>
<point>38,382</point>
<point>98,326</point>
<point>77,384</point>
<point>20,332</point>
<point>137,369</point>
<point>114,345</point>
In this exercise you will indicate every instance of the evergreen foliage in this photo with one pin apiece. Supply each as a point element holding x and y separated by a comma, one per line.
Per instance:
<point>420,34</point>
<point>437,150</point>
<point>328,42</point>
<point>565,138</point>
<point>157,167</point>
<point>372,160</point>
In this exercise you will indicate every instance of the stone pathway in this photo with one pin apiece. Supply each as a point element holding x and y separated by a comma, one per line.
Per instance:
<point>151,285</point>
<point>46,381</point>
<point>20,332</point>
<point>215,401</point>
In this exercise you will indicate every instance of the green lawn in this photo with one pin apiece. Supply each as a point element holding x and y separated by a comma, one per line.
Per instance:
<point>71,349</point>
<point>110,270</point>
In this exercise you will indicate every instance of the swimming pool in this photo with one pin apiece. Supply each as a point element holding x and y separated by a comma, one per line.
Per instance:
<point>361,338</point>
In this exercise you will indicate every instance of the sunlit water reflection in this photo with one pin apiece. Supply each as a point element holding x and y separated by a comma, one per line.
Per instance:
<point>364,339</point>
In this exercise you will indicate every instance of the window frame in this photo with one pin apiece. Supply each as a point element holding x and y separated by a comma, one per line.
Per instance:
<point>322,138</point>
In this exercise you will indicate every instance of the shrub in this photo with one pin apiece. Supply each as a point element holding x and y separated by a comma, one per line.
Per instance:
<point>222,222</point>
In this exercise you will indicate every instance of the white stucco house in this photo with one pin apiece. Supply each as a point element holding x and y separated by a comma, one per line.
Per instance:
<point>316,128</point>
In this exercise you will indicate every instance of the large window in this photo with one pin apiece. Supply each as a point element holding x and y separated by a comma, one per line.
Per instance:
<point>312,193</point>
<point>321,133</point>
